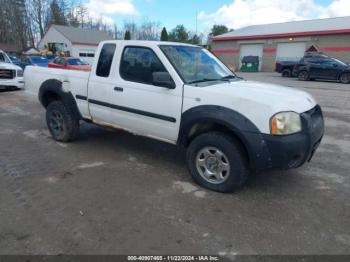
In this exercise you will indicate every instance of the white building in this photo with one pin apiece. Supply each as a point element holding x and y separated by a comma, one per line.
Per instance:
<point>78,42</point>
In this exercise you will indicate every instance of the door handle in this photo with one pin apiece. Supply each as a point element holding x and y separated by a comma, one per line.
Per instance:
<point>118,89</point>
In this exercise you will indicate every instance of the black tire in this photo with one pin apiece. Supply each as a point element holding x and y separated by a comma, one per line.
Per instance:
<point>62,124</point>
<point>303,75</point>
<point>286,73</point>
<point>232,150</point>
<point>344,78</point>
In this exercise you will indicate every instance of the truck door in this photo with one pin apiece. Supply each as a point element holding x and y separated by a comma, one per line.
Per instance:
<point>126,97</point>
<point>101,84</point>
<point>144,108</point>
<point>330,69</point>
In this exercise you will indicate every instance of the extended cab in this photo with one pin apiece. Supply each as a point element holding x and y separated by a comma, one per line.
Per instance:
<point>182,94</point>
<point>11,75</point>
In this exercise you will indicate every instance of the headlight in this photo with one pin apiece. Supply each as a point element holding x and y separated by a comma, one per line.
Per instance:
<point>19,73</point>
<point>285,123</point>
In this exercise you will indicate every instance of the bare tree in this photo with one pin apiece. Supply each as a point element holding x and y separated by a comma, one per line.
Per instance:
<point>149,30</point>
<point>132,27</point>
<point>82,14</point>
<point>38,10</point>
<point>13,23</point>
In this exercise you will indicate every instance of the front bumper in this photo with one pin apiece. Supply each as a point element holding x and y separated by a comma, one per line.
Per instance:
<point>17,82</point>
<point>291,151</point>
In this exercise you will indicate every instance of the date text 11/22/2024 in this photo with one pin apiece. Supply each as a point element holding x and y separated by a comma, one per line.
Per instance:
<point>174,258</point>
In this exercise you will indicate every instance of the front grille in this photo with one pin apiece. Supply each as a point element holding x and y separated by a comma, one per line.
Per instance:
<point>7,74</point>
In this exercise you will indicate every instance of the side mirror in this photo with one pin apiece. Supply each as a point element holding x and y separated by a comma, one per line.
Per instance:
<point>163,79</point>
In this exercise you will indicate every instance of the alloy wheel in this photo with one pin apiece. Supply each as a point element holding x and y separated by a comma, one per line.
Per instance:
<point>56,123</point>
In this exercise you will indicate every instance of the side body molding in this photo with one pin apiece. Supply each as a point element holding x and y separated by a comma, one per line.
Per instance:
<point>52,90</point>
<point>248,134</point>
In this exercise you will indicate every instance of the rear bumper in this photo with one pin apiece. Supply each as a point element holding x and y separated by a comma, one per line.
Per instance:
<point>291,151</point>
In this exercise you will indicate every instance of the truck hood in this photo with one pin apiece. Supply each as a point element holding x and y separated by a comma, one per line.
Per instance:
<point>256,101</point>
<point>278,98</point>
<point>9,66</point>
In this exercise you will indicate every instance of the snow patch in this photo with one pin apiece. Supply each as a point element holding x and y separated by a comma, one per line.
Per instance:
<point>91,165</point>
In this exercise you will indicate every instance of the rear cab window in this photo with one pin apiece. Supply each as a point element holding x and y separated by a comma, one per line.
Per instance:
<point>105,60</point>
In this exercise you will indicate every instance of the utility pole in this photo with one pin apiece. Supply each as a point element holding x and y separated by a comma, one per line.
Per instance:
<point>196,22</point>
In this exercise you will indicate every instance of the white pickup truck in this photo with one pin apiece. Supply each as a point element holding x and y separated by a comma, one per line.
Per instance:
<point>11,76</point>
<point>182,94</point>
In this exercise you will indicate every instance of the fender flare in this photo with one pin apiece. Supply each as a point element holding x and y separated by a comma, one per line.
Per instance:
<point>54,86</point>
<point>240,126</point>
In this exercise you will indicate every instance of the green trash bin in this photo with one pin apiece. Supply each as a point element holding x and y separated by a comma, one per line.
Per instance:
<point>250,64</point>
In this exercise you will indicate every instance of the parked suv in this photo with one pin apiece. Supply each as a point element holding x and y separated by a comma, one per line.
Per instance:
<point>319,66</point>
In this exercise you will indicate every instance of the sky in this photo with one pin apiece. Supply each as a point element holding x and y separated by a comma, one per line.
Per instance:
<point>202,14</point>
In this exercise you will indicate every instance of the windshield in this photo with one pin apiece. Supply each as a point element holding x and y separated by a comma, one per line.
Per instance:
<point>195,64</point>
<point>4,58</point>
<point>76,62</point>
<point>39,59</point>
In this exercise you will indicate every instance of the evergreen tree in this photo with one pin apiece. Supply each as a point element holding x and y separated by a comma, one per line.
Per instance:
<point>57,13</point>
<point>164,35</point>
<point>179,34</point>
<point>196,40</point>
<point>127,35</point>
<point>218,30</point>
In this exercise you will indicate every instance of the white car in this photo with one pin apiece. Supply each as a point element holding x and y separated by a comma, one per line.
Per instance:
<point>11,76</point>
<point>182,94</point>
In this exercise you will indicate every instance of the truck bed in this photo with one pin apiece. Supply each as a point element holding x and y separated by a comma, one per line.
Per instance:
<point>34,76</point>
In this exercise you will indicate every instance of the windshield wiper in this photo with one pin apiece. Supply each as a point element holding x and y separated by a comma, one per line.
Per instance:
<point>225,78</point>
<point>228,77</point>
<point>203,80</point>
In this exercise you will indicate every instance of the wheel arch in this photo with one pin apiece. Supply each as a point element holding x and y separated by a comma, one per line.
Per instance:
<point>52,90</point>
<point>343,72</point>
<point>203,119</point>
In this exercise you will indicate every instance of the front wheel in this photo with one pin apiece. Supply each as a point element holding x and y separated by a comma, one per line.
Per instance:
<point>217,162</point>
<point>62,124</point>
<point>303,76</point>
<point>344,78</point>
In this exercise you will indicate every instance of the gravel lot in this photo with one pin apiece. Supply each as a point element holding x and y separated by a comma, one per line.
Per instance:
<point>115,193</point>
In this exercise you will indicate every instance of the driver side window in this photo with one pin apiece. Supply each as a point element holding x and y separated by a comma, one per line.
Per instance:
<point>139,63</point>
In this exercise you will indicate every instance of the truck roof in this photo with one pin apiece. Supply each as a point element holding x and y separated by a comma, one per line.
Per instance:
<point>146,43</point>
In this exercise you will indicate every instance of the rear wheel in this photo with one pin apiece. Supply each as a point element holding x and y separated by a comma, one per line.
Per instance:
<point>286,73</point>
<point>61,122</point>
<point>303,75</point>
<point>217,162</point>
<point>345,78</point>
